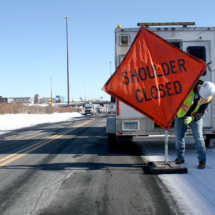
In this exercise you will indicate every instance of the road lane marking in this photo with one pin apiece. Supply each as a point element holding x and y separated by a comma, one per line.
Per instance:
<point>102,115</point>
<point>17,155</point>
<point>9,156</point>
<point>21,155</point>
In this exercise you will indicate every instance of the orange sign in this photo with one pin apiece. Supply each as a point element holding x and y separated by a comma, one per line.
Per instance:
<point>155,77</point>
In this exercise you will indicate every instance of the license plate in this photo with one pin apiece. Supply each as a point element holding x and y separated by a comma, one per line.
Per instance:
<point>130,125</point>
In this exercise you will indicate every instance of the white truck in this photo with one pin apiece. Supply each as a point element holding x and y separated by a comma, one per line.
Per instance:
<point>112,108</point>
<point>197,41</point>
<point>99,109</point>
<point>90,109</point>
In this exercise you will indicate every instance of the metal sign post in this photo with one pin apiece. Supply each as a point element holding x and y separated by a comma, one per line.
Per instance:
<point>160,167</point>
<point>166,146</point>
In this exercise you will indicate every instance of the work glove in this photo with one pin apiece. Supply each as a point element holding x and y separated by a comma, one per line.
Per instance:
<point>188,120</point>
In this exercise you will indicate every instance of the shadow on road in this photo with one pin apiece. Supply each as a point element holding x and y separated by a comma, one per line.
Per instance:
<point>81,166</point>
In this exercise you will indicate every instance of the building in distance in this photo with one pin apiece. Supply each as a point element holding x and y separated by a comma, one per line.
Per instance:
<point>11,100</point>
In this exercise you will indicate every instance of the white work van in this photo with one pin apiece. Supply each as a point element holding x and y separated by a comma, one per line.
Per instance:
<point>112,108</point>
<point>197,41</point>
<point>90,109</point>
<point>99,109</point>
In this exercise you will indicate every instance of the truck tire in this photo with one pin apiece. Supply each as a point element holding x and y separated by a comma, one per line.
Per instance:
<point>111,140</point>
<point>207,140</point>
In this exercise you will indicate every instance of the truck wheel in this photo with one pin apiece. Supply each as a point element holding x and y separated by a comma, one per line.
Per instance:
<point>111,140</point>
<point>207,140</point>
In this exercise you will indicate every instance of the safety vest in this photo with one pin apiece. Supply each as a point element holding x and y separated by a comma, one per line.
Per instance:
<point>188,102</point>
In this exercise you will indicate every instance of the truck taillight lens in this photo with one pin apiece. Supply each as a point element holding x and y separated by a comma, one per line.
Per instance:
<point>117,107</point>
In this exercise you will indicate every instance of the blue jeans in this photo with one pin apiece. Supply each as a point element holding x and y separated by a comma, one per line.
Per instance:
<point>180,132</point>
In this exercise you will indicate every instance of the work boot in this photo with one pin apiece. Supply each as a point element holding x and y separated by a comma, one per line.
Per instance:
<point>179,161</point>
<point>201,165</point>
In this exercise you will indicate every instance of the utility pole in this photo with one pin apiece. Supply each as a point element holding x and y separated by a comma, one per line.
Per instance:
<point>51,88</point>
<point>50,100</point>
<point>66,17</point>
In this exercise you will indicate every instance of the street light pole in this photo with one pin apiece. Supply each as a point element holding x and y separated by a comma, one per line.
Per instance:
<point>66,17</point>
<point>84,93</point>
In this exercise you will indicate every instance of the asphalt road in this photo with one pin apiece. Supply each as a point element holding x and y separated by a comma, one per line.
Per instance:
<point>67,168</point>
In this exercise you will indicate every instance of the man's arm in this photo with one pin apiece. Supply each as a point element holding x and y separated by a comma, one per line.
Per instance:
<point>201,111</point>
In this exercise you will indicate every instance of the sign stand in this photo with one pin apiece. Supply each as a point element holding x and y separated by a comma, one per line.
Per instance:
<point>160,167</point>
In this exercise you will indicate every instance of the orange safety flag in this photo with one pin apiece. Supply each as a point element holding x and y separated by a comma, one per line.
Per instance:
<point>155,77</point>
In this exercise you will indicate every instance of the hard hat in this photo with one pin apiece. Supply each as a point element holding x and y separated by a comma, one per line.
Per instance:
<point>207,89</point>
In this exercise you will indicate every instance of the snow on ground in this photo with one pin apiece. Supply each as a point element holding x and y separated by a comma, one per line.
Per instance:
<point>194,192</point>
<point>9,122</point>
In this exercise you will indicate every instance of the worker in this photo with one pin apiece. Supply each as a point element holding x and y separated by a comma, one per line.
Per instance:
<point>191,113</point>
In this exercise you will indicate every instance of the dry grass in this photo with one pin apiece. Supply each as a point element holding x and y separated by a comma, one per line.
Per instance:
<point>20,108</point>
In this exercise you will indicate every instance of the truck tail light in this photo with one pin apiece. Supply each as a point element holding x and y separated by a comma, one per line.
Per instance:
<point>117,107</point>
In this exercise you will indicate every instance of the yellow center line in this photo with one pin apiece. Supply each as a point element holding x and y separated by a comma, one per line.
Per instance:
<point>17,155</point>
<point>21,155</point>
<point>102,115</point>
<point>9,156</point>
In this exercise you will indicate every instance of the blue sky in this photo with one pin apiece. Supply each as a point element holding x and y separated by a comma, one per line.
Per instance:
<point>33,41</point>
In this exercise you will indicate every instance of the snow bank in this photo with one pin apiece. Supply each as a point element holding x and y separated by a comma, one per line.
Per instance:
<point>9,122</point>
